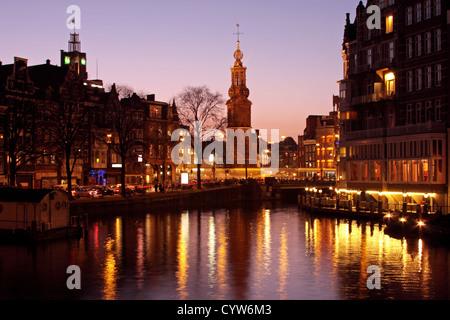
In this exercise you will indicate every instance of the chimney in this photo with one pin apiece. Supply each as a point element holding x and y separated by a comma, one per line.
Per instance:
<point>151,97</point>
<point>48,61</point>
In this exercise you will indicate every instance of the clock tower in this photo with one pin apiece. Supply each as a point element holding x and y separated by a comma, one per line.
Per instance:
<point>74,55</point>
<point>239,106</point>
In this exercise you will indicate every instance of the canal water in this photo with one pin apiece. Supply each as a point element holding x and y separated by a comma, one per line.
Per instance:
<point>251,253</point>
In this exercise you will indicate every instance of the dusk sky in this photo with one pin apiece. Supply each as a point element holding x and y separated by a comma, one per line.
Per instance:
<point>291,48</point>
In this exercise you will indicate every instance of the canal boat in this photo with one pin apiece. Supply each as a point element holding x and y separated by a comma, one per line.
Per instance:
<point>30,215</point>
<point>417,225</point>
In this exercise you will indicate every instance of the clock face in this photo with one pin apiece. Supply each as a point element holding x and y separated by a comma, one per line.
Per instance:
<point>246,92</point>
<point>231,92</point>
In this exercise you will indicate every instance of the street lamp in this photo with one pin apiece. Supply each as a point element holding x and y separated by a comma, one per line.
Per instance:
<point>211,160</point>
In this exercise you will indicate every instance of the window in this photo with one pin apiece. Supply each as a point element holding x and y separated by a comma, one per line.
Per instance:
<point>409,114</point>
<point>419,79</point>
<point>428,111</point>
<point>427,9</point>
<point>418,12</point>
<point>419,118</point>
<point>409,48</point>
<point>409,16</point>
<point>409,81</point>
<point>437,40</point>
<point>438,74</point>
<point>437,7</point>
<point>419,45</point>
<point>389,79</point>
<point>369,57</point>
<point>428,42</point>
<point>391,52</point>
<point>437,110</point>
<point>389,24</point>
<point>428,77</point>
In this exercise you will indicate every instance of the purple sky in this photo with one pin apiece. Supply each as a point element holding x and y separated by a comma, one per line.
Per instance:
<point>292,46</point>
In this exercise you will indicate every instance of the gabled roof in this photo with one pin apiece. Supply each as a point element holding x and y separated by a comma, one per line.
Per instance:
<point>9,194</point>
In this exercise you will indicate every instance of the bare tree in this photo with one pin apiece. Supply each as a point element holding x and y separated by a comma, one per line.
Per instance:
<point>67,126</point>
<point>19,135</point>
<point>120,121</point>
<point>199,104</point>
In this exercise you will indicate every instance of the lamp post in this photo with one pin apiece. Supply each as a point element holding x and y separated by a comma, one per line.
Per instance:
<point>211,160</point>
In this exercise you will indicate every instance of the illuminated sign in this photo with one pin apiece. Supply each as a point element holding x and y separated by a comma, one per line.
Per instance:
<point>185,178</point>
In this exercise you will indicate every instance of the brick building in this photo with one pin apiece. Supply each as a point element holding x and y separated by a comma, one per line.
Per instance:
<point>394,103</point>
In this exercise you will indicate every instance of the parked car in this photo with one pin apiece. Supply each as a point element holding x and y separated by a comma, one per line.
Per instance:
<point>80,192</point>
<point>63,187</point>
<point>101,191</point>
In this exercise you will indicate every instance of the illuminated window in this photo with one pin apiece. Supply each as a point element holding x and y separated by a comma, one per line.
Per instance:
<point>83,61</point>
<point>67,60</point>
<point>389,24</point>
<point>389,79</point>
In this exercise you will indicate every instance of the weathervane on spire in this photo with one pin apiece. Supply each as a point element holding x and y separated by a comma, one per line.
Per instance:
<point>238,33</point>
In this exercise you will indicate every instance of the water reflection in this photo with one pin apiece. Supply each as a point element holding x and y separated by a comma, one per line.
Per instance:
<point>182,251</point>
<point>236,253</point>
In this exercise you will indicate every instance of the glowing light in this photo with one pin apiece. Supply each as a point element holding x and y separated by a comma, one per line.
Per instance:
<point>389,76</point>
<point>402,219</point>
<point>421,223</point>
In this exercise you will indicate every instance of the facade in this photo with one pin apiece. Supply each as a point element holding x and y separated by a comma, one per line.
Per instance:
<point>36,103</point>
<point>288,158</point>
<point>318,147</point>
<point>394,103</point>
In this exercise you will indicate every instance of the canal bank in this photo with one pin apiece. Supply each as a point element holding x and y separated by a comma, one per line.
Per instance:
<point>184,199</point>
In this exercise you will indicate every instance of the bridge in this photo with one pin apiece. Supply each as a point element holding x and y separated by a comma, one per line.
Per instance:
<point>289,190</point>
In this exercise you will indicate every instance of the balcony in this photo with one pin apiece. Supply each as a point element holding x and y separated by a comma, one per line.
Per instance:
<point>348,103</point>
<point>429,127</point>
<point>419,128</point>
<point>374,97</point>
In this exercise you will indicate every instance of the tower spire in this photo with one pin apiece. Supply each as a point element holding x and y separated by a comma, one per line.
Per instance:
<point>238,33</point>
<point>238,55</point>
<point>238,106</point>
